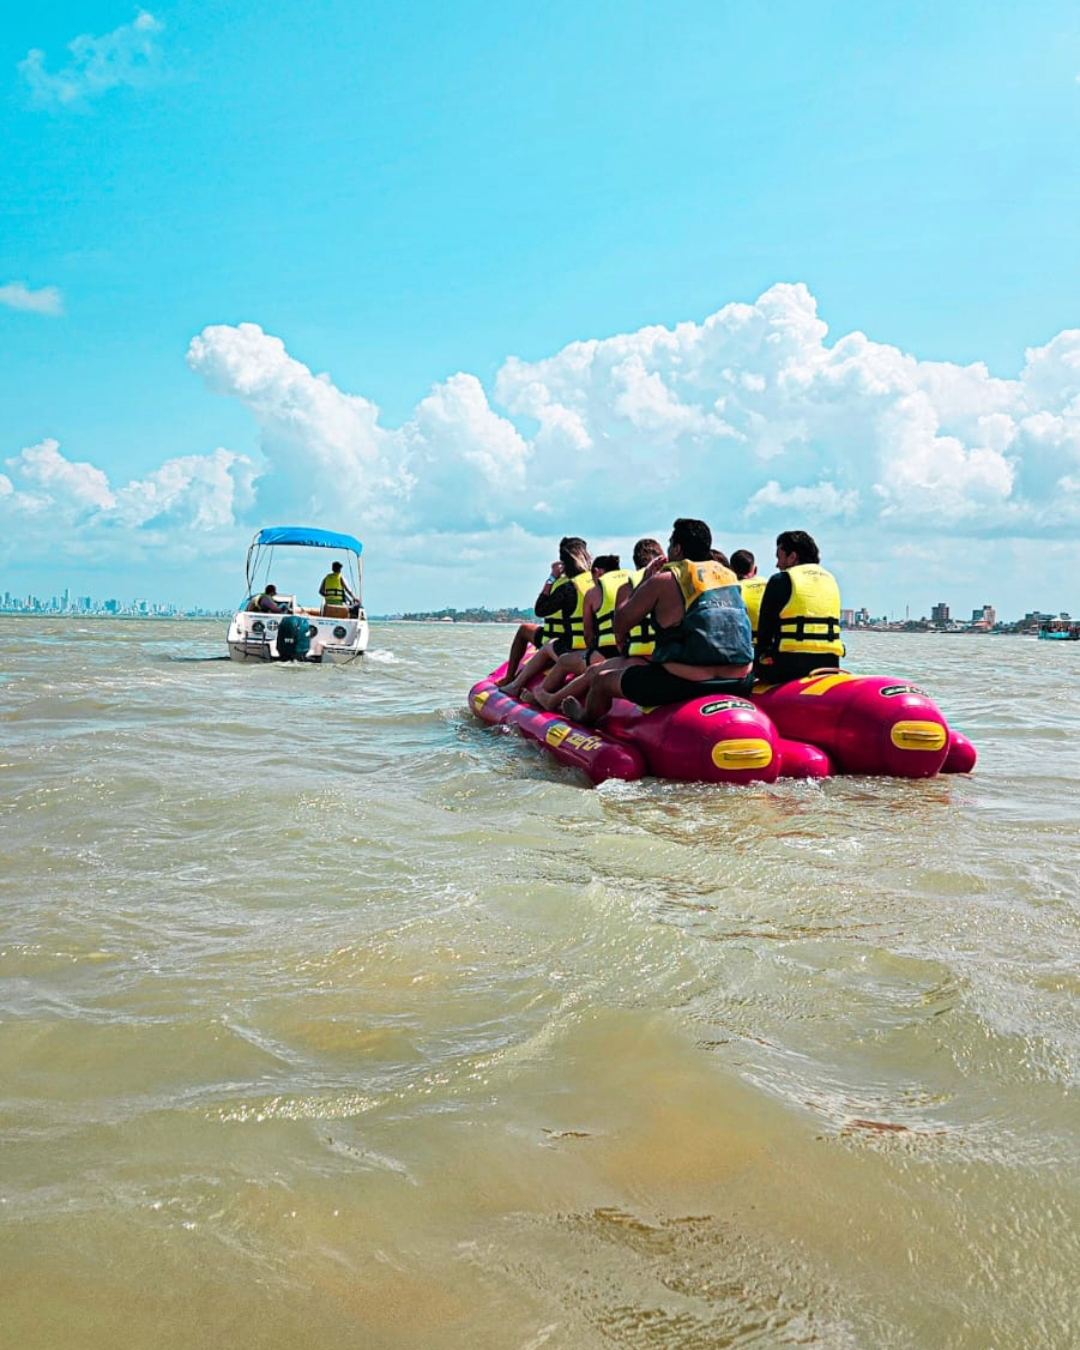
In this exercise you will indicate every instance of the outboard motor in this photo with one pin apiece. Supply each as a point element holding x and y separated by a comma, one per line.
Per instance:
<point>293,638</point>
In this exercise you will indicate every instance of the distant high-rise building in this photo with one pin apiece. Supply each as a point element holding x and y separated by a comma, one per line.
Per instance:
<point>939,615</point>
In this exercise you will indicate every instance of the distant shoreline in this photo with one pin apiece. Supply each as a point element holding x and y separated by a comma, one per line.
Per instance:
<point>471,622</point>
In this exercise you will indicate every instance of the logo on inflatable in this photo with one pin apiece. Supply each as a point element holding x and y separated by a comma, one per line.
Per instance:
<point>892,690</point>
<point>722,705</point>
<point>580,740</point>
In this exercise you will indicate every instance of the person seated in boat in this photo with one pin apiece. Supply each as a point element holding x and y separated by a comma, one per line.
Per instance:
<point>336,591</point>
<point>744,565</point>
<point>527,635</point>
<point>561,604</point>
<point>799,619</point>
<point>703,644</point>
<point>648,557</point>
<point>599,616</point>
<point>267,602</point>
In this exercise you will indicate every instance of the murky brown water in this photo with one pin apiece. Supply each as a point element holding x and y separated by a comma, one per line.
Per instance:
<point>329,1016</point>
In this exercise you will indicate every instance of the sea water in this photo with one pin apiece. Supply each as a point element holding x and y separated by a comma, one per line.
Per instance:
<point>330,1016</point>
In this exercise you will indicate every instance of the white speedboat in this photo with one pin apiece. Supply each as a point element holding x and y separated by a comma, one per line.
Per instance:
<point>280,627</point>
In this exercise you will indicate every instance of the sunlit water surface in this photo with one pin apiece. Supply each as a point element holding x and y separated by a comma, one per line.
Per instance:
<point>329,1016</point>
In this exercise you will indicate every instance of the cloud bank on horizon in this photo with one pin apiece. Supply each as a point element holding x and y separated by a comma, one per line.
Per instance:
<point>750,419</point>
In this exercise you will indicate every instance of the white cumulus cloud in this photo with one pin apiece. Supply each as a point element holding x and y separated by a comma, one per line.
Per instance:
<point>754,418</point>
<point>51,505</point>
<point>59,481</point>
<point>324,445</point>
<point>822,501</point>
<point>330,456</point>
<point>126,56</point>
<point>206,492</point>
<point>751,416</point>
<point>46,300</point>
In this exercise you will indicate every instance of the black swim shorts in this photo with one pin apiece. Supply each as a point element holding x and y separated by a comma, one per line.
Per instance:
<point>651,686</point>
<point>604,653</point>
<point>789,666</point>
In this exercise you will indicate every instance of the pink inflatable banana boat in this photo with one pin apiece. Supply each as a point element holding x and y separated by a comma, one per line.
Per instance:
<point>829,723</point>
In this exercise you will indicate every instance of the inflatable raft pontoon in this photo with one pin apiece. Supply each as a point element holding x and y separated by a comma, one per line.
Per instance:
<point>829,723</point>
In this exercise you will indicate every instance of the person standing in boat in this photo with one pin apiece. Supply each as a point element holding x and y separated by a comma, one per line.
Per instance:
<point>703,644</point>
<point>799,620</point>
<point>335,589</point>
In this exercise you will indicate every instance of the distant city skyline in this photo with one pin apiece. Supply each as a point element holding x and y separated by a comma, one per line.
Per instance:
<point>65,603</point>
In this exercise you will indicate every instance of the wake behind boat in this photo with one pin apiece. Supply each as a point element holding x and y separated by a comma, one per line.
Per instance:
<point>272,626</point>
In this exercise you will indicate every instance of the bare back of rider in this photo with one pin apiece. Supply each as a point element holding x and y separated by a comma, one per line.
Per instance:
<point>650,682</point>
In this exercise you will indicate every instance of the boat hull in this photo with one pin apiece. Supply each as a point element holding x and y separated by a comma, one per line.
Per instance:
<point>252,639</point>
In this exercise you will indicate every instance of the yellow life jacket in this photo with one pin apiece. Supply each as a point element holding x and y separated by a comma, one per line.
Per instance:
<point>641,640</point>
<point>753,588</point>
<point>715,630</point>
<point>810,621</point>
<point>557,625</point>
<point>611,583</point>
<point>574,626</point>
<point>333,589</point>
<point>553,624</point>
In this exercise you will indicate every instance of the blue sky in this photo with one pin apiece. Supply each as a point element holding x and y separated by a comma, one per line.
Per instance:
<point>460,278</point>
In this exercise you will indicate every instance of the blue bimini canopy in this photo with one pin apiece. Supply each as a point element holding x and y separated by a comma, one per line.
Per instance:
<point>284,535</point>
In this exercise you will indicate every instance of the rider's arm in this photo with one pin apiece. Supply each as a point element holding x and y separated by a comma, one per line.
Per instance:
<point>639,606</point>
<point>588,614</point>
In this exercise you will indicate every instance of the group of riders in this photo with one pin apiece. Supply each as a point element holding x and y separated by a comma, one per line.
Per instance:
<point>336,593</point>
<point>683,624</point>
